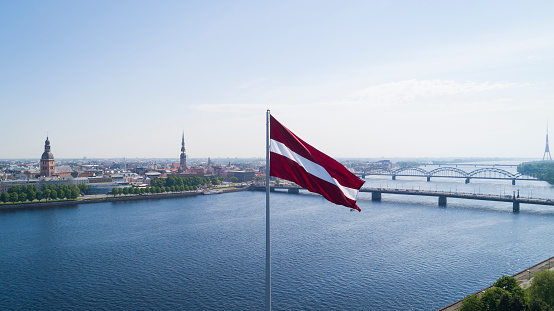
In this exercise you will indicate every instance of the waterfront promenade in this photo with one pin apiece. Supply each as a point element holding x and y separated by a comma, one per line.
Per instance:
<point>87,199</point>
<point>523,277</point>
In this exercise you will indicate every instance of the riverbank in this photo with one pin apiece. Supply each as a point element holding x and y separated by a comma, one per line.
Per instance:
<point>109,198</point>
<point>523,278</point>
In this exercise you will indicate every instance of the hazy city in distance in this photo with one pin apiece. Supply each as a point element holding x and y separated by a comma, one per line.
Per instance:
<point>133,153</point>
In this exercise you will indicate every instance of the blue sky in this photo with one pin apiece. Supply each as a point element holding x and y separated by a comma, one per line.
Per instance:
<point>353,78</point>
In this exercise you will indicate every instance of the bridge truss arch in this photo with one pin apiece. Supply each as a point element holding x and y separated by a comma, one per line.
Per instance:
<point>448,172</point>
<point>411,171</point>
<point>491,173</point>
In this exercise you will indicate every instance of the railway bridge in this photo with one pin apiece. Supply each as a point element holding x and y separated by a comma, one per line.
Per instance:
<point>376,195</point>
<point>451,172</point>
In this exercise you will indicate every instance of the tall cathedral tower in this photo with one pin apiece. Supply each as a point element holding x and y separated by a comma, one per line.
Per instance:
<point>547,155</point>
<point>47,165</point>
<point>183,162</point>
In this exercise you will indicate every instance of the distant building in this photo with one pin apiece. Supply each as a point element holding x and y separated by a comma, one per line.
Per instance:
<point>183,157</point>
<point>100,179</point>
<point>7,184</point>
<point>385,164</point>
<point>153,175</point>
<point>175,167</point>
<point>47,165</point>
<point>64,170</point>
<point>242,176</point>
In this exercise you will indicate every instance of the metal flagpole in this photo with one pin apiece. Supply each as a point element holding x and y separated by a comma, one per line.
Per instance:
<point>267,232</point>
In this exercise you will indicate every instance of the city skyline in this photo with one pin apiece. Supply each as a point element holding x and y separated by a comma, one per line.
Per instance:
<point>356,79</point>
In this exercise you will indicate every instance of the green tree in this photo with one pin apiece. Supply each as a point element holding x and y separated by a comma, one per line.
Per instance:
<point>31,195</point>
<point>543,170</point>
<point>537,305</point>
<point>506,282</point>
<point>542,287</point>
<point>491,298</point>
<point>84,188</point>
<point>40,195</point>
<point>46,194</point>
<point>14,189</point>
<point>53,194</point>
<point>22,197</point>
<point>74,193</point>
<point>471,303</point>
<point>14,197</point>
<point>510,284</point>
<point>233,179</point>
<point>4,197</point>
<point>115,191</point>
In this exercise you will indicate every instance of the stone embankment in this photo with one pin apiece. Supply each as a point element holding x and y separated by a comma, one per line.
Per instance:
<point>107,198</point>
<point>524,277</point>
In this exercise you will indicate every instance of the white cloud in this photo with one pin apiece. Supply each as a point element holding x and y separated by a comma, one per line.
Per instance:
<point>409,90</point>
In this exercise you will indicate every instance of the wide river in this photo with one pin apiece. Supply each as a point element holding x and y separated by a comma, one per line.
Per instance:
<point>208,252</point>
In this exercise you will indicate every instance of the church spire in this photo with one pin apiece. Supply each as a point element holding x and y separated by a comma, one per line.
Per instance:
<point>47,164</point>
<point>183,162</point>
<point>183,143</point>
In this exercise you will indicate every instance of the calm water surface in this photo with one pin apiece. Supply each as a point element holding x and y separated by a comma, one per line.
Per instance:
<point>208,252</point>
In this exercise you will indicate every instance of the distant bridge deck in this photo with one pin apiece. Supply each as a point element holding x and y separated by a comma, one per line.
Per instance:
<point>450,172</point>
<point>377,192</point>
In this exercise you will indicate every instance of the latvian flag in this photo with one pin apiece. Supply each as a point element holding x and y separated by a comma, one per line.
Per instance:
<point>293,159</point>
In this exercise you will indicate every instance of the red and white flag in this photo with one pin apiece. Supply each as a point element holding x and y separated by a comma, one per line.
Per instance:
<point>293,159</point>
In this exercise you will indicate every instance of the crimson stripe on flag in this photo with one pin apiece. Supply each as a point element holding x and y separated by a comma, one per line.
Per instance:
<point>311,168</point>
<point>295,160</point>
<point>290,170</point>
<point>281,134</point>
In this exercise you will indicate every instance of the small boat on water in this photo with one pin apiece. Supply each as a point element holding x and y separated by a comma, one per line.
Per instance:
<point>212,192</point>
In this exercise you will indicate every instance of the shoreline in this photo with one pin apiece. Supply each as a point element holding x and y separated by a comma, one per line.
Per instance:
<point>108,198</point>
<point>523,278</point>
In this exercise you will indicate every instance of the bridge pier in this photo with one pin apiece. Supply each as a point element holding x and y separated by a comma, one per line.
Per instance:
<point>294,191</point>
<point>513,182</point>
<point>428,178</point>
<point>467,180</point>
<point>516,206</point>
<point>363,176</point>
<point>442,200</point>
<point>376,196</point>
<point>393,177</point>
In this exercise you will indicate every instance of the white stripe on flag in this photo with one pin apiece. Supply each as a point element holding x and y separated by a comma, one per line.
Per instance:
<point>311,167</point>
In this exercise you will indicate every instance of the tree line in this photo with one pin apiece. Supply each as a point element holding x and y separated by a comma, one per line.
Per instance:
<point>170,184</point>
<point>24,193</point>
<point>543,170</point>
<point>506,294</point>
<point>185,181</point>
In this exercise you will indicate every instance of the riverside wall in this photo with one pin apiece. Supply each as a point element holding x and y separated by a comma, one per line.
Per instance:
<point>158,196</point>
<point>523,278</point>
